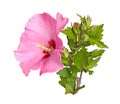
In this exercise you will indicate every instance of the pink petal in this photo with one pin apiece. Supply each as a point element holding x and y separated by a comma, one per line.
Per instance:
<point>59,43</point>
<point>29,61</point>
<point>61,22</point>
<point>42,24</point>
<point>28,54</point>
<point>36,37</point>
<point>27,49</point>
<point>32,64</point>
<point>52,63</point>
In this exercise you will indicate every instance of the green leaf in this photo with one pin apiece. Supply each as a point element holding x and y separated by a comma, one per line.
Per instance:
<point>82,19</point>
<point>95,35</point>
<point>94,57</point>
<point>85,22</point>
<point>81,58</point>
<point>65,57</point>
<point>81,87</point>
<point>92,62</point>
<point>90,72</point>
<point>74,70</point>
<point>71,44</point>
<point>65,61</point>
<point>69,89</point>
<point>96,32</point>
<point>64,72</point>
<point>69,33</point>
<point>63,81</point>
<point>96,53</point>
<point>68,83</point>
<point>98,43</point>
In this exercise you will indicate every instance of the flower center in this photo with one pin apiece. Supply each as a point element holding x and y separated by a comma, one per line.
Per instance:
<point>47,50</point>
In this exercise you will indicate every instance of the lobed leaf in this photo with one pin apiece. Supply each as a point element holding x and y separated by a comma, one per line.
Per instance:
<point>64,72</point>
<point>100,44</point>
<point>81,58</point>
<point>96,32</point>
<point>92,62</point>
<point>69,33</point>
<point>96,53</point>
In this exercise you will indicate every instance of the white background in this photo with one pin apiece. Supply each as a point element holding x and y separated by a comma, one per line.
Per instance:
<point>101,88</point>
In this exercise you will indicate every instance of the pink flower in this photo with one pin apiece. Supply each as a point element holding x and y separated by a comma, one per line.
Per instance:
<point>40,45</point>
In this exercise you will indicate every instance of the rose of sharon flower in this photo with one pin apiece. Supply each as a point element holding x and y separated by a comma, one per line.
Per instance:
<point>40,45</point>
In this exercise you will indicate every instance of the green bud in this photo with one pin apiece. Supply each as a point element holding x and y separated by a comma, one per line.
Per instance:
<point>76,28</point>
<point>88,21</point>
<point>85,37</point>
<point>66,53</point>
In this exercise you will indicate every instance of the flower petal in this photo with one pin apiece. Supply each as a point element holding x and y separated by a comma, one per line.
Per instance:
<point>59,43</point>
<point>29,60</point>
<point>32,64</point>
<point>43,24</point>
<point>36,37</point>
<point>52,63</point>
<point>61,22</point>
<point>28,54</point>
<point>27,49</point>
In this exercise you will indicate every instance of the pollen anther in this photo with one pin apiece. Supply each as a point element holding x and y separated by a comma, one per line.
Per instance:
<point>45,48</point>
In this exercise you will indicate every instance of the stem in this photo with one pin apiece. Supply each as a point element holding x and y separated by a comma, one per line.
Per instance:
<point>79,79</point>
<point>78,82</point>
<point>70,57</point>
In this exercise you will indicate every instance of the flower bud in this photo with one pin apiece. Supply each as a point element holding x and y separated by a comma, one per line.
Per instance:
<point>76,28</point>
<point>66,53</point>
<point>88,21</point>
<point>85,37</point>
